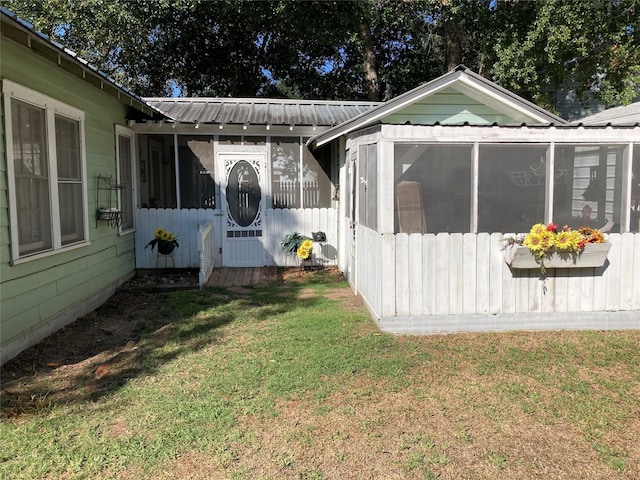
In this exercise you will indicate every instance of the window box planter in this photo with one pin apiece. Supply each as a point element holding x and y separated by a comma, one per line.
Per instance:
<point>593,255</point>
<point>108,214</point>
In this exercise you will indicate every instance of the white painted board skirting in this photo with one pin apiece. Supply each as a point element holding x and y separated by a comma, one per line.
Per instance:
<point>510,322</point>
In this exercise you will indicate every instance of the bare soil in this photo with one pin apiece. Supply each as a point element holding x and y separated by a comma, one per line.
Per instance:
<point>118,324</point>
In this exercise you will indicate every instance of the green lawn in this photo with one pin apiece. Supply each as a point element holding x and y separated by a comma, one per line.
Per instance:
<point>294,381</point>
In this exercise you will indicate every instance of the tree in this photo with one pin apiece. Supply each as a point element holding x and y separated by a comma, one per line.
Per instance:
<point>544,45</point>
<point>363,49</point>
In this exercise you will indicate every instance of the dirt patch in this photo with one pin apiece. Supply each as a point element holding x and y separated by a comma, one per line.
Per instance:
<point>103,345</point>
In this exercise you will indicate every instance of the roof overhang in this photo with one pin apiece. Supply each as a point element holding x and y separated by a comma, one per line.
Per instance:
<point>25,34</point>
<point>460,79</point>
<point>622,116</point>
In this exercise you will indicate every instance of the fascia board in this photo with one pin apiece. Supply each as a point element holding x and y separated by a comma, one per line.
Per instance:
<point>504,102</point>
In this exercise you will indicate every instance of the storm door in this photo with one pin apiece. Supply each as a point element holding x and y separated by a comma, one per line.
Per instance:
<point>243,207</point>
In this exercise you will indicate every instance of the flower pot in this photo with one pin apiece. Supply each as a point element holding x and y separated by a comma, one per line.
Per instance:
<point>593,255</point>
<point>165,248</point>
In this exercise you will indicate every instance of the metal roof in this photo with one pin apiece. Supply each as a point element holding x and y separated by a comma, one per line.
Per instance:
<point>260,111</point>
<point>30,37</point>
<point>628,115</point>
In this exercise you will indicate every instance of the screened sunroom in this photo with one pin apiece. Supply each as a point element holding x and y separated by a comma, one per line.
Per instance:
<point>435,181</point>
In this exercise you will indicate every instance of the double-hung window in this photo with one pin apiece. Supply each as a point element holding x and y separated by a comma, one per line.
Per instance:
<point>46,172</point>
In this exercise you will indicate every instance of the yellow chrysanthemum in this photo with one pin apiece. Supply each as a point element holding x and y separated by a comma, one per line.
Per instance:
<point>304,250</point>
<point>538,229</point>
<point>534,242</point>
<point>567,241</point>
<point>548,239</point>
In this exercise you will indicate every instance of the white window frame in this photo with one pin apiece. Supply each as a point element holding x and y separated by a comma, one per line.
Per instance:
<point>51,107</point>
<point>127,132</point>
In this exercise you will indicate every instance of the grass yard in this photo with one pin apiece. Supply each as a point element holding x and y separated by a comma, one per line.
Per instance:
<point>294,381</point>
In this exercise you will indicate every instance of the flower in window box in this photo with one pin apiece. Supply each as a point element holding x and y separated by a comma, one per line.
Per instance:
<point>568,241</point>
<point>558,248</point>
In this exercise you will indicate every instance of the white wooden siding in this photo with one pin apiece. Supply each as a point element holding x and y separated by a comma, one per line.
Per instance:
<point>465,274</point>
<point>278,222</point>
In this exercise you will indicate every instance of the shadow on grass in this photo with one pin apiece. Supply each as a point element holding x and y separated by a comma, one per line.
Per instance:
<point>132,335</point>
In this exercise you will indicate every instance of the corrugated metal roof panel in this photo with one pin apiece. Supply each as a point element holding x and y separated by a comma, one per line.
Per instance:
<point>260,111</point>
<point>617,116</point>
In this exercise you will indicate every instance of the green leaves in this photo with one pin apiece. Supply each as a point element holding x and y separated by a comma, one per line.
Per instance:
<point>322,49</point>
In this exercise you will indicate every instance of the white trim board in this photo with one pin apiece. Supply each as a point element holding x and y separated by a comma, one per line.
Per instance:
<point>439,324</point>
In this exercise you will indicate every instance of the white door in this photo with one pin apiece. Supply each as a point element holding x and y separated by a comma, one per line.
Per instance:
<point>243,205</point>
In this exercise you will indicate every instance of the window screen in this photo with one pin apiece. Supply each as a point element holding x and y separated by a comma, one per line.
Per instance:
<point>31,177</point>
<point>196,161</point>
<point>432,188</point>
<point>126,181</point>
<point>588,185</point>
<point>157,171</point>
<point>316,185</point>
<point>367,184</point>
<point>511,187</point>
<point>285,172</point>
<point>69,164</point>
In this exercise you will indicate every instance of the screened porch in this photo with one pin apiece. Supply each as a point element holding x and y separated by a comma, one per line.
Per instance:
<point>431,206</point>
<point>186,181</point>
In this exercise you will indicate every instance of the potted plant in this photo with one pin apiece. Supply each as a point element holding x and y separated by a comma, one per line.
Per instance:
<point>166,242</point>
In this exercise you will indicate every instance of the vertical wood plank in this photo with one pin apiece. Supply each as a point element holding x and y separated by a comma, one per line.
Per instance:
<point>269,237</point>
<point>376,277</point>
<point>429,274</point>
<point>523,277</point>
<point>276,230</point>
<point>142,222</point>
<point>402,274</point>
<point>561,287</point>
<point>334,245</point>
<point>469,273</point>
<point>612,274</point>
<point>534,293</point>
<point>387,255</point>
<point>150,222</point>
<point>188,224</point>
<point>483,273</point>
<point>456,274</point>
<point>600,288</point>
<point>442,274</point>
<point>501,280</point>
<point>574,288</point>
<point>586,289</point>
<point>636,272</point>
<point>548,300</point>
<point>626,271</point>
<point>416,266</point>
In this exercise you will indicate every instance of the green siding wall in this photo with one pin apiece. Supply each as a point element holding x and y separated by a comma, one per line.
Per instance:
<point>448,107</point>
<point>36,292</point>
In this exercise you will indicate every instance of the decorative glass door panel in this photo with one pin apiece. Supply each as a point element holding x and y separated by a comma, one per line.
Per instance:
<point>243,206</point>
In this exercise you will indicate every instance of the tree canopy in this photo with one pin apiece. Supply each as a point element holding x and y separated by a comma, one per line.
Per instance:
<point>362,49</point>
